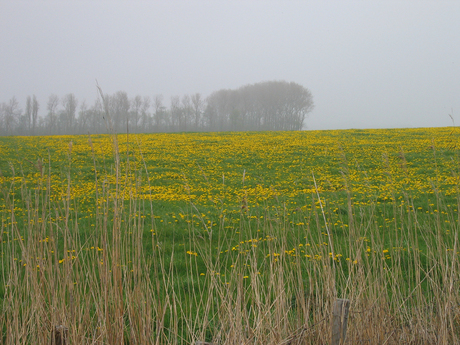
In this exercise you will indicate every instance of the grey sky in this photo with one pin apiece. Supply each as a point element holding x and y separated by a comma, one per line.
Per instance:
<point>368,64</point>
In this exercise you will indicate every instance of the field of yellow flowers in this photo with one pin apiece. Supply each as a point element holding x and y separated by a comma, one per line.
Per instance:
<point>232,235</point>
<point>224,173</point>
<point>221,169</point>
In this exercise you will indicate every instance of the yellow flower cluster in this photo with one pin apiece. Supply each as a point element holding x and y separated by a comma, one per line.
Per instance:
<point>237,173</point>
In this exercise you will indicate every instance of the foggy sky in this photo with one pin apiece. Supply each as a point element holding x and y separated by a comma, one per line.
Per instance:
<point>368,64</point>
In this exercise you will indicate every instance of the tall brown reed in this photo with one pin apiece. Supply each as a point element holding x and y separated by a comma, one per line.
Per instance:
<point>109,286</point>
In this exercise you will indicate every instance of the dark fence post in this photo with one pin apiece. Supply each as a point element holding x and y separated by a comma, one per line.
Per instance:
<point>339,320</point>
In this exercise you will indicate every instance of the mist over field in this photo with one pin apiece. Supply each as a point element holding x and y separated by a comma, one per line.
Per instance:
<point>229,172</point>
<point>267,106</point>
<point>377,64</point>
<point>231,237</point>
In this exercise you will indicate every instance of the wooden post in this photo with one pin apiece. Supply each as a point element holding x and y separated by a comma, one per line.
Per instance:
<point>59,335</point>
<point>339,320</point>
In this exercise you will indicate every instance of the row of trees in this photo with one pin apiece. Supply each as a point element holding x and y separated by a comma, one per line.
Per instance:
<point>273,105</point>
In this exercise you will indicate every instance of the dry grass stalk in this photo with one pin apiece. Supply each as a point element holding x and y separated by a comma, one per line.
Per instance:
<point>413,300</point>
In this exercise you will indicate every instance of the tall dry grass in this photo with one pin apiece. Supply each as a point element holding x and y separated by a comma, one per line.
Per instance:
<point>128,291</point>
<point>118,284</point>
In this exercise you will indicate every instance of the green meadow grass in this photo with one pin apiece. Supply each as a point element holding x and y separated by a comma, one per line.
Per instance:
<point>231,237</point>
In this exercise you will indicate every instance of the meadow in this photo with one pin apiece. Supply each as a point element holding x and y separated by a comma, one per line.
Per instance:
<point>231,238</point>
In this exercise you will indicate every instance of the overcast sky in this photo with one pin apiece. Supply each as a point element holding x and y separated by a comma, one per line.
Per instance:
<point>368,64</point>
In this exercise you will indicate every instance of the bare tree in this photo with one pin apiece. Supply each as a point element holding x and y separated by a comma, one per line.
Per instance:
<point>273,105</point>
<point>145,116</point>
<point>159,119</point>
<point>70,104</point>
<point>186,106</point>
<point>95,117</point>
<point>28,113</point>
<point>197,109</point>
<point>51,118</point>
<point>221,104</point>
<point>176,114</point>
<point>35,107</point>
<point>210,117</point>
<point>119,110</point>
<point>11,114</point>
<point>83,118</point>
<point>135,112</point>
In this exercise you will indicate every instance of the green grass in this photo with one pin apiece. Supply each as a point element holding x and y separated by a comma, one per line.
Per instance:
<point>204,254</point>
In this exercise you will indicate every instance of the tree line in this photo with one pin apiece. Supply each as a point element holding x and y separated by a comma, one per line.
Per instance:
<point>271,105</point>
